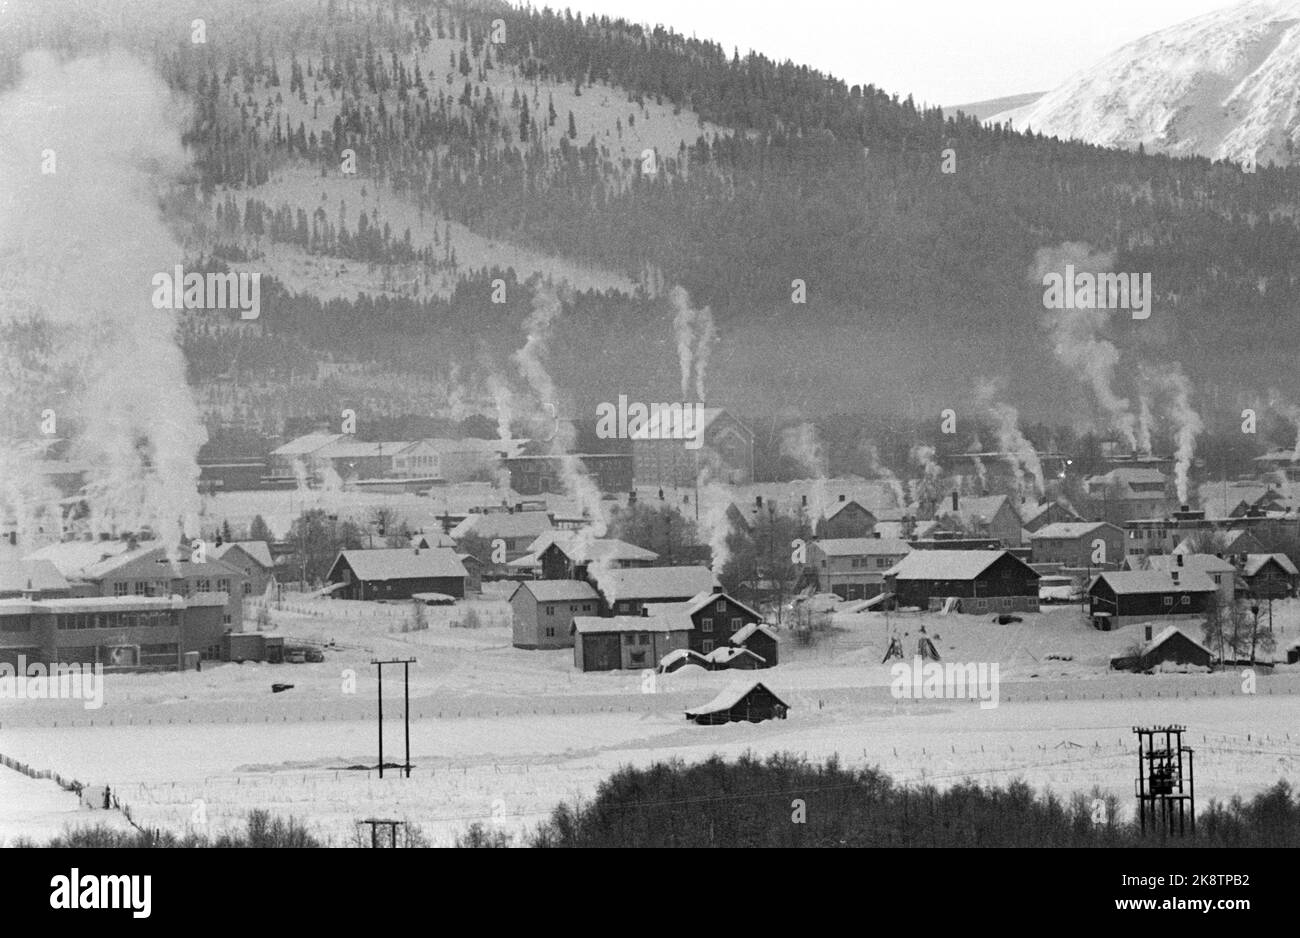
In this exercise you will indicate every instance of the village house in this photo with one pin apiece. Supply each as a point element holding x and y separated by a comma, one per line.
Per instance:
<point>1128,493</point>
<point>1074,544</point>
<point>992,516</point>
<point>397,573</point>
<point>568,556</point>
<point>627,591</point>
<point>1220,571</point>
<point>1269,576</point>
<point>853,568</point>
<point>761,640</point>
<point>252,557</point>
<point>715,618</point>
<point>1118,598</point>
<point>147,571</point>
<point>1034,518</point>
<point>980,580</point>
<point>543,611</point>
<point>516,530</point>
<point>846,519</point>
<point>610,643</point>
<point>32,579</point>
<point>1172,647</point>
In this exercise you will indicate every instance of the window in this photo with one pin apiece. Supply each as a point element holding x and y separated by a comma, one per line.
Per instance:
<point>248,588</point>
<point>736,623</point>
<point>203,586</point>
<point>223,586</point>
<point>1169,600</point>
<point>586,607</point>
<point>707,646</point>
<point>706,624</point>
<point>1185,601</point>
<point>623,607</point>
<point>141,588</point>
<point>550,610</point>
<point>722,605</point>
<point>884,563</point>
<point>629,638</point>
<point>119,589</point>
<point>15,624</point>
<point>637,657</point>
<point>643,638</point>
<point>225,620</point>
<point>550,632</point>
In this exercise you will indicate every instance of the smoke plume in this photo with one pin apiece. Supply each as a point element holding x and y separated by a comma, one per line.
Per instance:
<point>1021,453</point>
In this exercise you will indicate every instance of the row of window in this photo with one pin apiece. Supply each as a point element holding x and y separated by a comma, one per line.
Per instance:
<point>864,563</point>
<point>164,587</point>
<point>706,624</point>
<point>573,607</point>
<point>113,620</point>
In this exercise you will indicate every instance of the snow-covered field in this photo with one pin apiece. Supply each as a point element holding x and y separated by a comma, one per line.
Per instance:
<point>501,735</point>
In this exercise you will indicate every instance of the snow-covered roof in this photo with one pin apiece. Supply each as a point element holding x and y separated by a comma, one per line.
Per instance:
<point>699,601</point>
<point>1167,633</point>
<point>654,582</point>
<point>742,635</point>
<point>504,524</point>
<point>307,444</point>
<point>1205,563</point>
<point>39,575</point>
<point>258,550</point>
<point>678,654</point>
<point>601,549</point>
<point>557,591</point>
<point>1255,563</point>
<point>402,563</point>
<point>729,696</point>
<point>587,625</point>
<point>725,654</point>
<point>862,546</point>
<point>1128,582</point>
<point>1068,529</point>
<point>947,564</point>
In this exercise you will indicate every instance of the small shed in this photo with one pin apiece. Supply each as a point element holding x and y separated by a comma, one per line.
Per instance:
<point>676,660</point>
<point>760,639</point>
<point>730,658</point>
<point>1172,646</point>
<point>749,701</point>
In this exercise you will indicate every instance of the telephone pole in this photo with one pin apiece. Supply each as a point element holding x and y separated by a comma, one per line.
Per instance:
<point>406,711</point>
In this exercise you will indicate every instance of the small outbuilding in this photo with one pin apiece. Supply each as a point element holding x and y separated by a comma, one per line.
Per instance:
<point>676,660</point>
<point>1172,646</point>
<point>760,639</point>
<point>742,701</point>
<point>730,658</point>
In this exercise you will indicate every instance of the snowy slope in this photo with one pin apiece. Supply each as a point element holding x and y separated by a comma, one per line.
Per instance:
<point>1224,85</point>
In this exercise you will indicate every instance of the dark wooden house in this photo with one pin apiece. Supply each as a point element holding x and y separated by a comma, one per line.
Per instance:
<point>715,617</point>
<point>1269,576</point>
<point>759,639</point>
<point>1172,647</point>
<point>746,700</point>
<point>397,573</point>
<point>1118,598</point>
<point>981,580</point>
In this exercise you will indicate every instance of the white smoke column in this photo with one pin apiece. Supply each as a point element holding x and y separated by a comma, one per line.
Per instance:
<point>1176,391</point>
<point>82,245</point>
<point>928,487</point>
<point>879,470</point>
<point>1076,334</point>
<point>802,444</point>
<point>538,326</point>
<point>695,334</point>
<point>1291,412</point>
<point>1011,441</point>
<point>715,499</point>
<point>981,472</point>
<point>1145,418</point>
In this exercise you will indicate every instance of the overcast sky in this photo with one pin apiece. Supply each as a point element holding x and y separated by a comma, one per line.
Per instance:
<point>941,51</point>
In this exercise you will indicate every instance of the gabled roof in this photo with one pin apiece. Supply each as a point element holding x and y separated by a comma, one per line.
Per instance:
<point>731,695</point>
<point>306,445</point>
<point>587,625</point>
<point>72,558</point>
<point>258,550</point>
<point>1205,563</point>
<point>838,507</point>
<point>1168,633</point>
<point>16,576</point>
<point>151,562</point>
<point>950,564</point>
<point>699,601</point>
<point>740,636</point>
<point>862,546</point>
<point>1133,582</point>
<point>1255,563</point>
<point>653,582</point>
<point>694,657</point>
<point>1069,529</point>
<point>348,447</point>
<point>401,563</point>
<point>725,654</point>
<point>601,549</point>
<point>510,524</point>
<point>557,591</point>
<point>984,507</point>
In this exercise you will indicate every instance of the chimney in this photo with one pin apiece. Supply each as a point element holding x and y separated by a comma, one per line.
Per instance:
<point>1148,631</point>
<point>954,502</point>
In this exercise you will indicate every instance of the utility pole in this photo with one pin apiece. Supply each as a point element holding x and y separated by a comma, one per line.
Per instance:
<point>406,715</point>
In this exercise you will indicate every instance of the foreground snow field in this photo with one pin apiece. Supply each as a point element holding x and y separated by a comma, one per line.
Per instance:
<point>501,735</point>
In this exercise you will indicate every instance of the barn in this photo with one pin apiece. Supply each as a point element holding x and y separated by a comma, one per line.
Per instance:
<point>983,580</point>
<point>1270,576</point>
<point>397,573</point>
<point>611,643</point>
<point>1172,646</point>
<point>742,701</point>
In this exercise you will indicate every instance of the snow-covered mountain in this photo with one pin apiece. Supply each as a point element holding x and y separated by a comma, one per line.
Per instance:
<point>1225,85</point>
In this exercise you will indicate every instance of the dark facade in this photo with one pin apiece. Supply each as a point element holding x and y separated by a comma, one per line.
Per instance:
<point>754,706</point>
<point>762,644</point>
<point>1127,607</point>
<point>1006,584</point>
<point>537,475</point>
<point>397,581</point>
<point>846,519</point>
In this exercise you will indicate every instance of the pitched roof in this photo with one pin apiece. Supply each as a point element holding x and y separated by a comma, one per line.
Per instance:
<point>556,591</point>
<point>1255,563</point>
<point>984,506</point>
<point>73,557</point>
<point>586,549</point>
<point>726,653</point>
<point>948,564</point>
<point>740,636</point>
<point>694,657</point>
<point>841,506</point>
<point>504,524</point>
<point>731,695</point>
<point>258,550</point>
<point>153,562</point>
<point>1069,529</point>
<point>587,625</point>
<point>348,447</point>
<point>402,563</point>
<point>305,445</point>
<point>653,582</point>
<point>17,576</point>
<point>862,546</point>
<point>1169,632</point>
<point>1205,563</point>
<point>699,601</point>
<point>1131,582</point>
